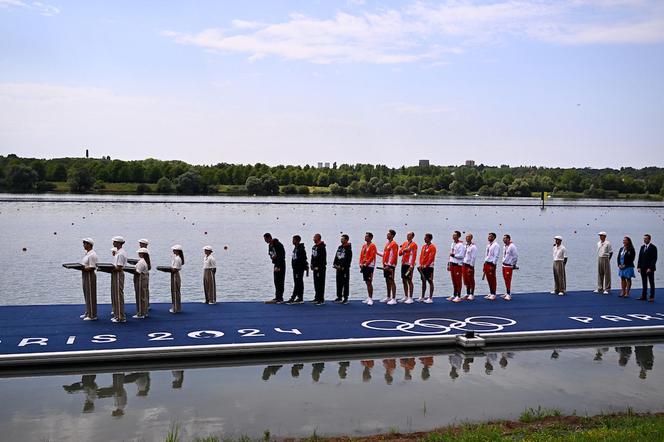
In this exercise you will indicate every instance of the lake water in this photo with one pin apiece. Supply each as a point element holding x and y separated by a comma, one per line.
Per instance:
<point>353,397</point>
<point>51,231</point>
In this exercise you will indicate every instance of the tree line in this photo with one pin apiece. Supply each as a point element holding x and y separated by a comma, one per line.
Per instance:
<point>84,175</point>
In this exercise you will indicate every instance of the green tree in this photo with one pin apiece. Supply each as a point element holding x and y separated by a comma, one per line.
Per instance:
<point>80,179</point>
<point>21,178</point>
<point>457,188</point>
<point>164,185</point>
<point>254,185</point>
<point>190,183</point>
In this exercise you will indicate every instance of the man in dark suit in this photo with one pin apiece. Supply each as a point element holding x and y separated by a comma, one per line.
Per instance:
<point>646,266</point>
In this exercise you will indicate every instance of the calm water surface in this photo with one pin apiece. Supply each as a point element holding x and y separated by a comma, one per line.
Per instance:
<point>51,232</point>
<point>331,397</point>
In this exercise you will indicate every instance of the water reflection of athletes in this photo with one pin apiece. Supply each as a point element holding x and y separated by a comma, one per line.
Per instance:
<point>88,386</point>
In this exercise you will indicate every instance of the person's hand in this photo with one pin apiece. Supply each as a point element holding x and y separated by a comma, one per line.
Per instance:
<point>639,270</point>
<point>276,269</point>
<point>648,270</point>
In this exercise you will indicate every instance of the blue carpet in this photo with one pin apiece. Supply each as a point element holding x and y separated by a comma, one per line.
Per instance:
<point>245,322</point>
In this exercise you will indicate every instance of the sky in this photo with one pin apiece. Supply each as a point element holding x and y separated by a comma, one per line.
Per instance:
<point>569,83</point>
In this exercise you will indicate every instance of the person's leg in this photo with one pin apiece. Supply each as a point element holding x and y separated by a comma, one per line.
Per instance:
<point>651,278</point>
<point>346,284</point>
<point>491,278</point>
<point>86,292</point>
<point>563,278</point>
<point>471,281</point>
<point>206,285</point>
<point>507,276</point>
<point>93,294</point>
<point>121,306</point>
<point>340,284</point>
<point>178,294</point>
<point>600,275</point>
<point>556,280</point>
<point>628,287</point>
<point>623,287</point>
<point>607,274</point>
<point>114,294</point>
<point>279,282</point>
<point>137,290</point>
<point>644,284</point>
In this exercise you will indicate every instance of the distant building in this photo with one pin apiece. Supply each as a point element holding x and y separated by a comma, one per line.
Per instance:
<point>327,165</point>
<point>470,163</point>
<point>424,163</point>
<point>320,165</point>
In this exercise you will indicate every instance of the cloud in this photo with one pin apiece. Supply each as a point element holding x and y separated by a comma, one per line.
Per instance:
<point>41,8</point>
<point>424,31</point>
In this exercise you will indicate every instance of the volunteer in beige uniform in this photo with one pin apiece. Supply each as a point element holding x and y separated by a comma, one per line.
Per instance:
<point>604,254</point>
<point>559,263</point>
<point>89,262</point>
<point>176,265</point>
<point>209,271</point>
<point>117,280</point>
<point>143,244</point>
<point>142,276</point>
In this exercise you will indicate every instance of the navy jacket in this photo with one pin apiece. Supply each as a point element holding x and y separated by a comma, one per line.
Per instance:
<point>344,256</point>
<point>299,259</point>
<point>277,253</point>
<point>647,258</point>
<point>629,257</point>
<point>318,256</point>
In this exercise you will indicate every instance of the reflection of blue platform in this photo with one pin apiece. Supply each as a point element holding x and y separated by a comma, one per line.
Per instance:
<point>46,334</point>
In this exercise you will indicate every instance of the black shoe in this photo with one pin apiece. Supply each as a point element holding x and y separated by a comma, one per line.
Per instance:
<point>298,301</point>
<point>319,303</point>
<point>274,301</point>
<point>290,301</point>
<point>652,299</point>
<point>346,301</point>
<point>313,301</point>
<point>337,301</point>
<point>642,298</point>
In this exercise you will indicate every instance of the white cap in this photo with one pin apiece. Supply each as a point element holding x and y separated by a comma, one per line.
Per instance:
<point>177,247</point>
<point>602,233</point>
<point>208,248</point>
<point>89,241</point>
<point>558,237</point>
<point>118,239</point>
<point>143,241</point>
<point>143,250</point>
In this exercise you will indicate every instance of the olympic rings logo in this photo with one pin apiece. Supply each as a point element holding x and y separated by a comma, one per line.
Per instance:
<point>440,326</point>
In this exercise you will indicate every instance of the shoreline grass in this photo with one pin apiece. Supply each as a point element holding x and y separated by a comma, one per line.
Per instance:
<point>538,424</point>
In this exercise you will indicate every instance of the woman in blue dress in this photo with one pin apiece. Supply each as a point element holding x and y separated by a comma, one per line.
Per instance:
<point>626,257</point>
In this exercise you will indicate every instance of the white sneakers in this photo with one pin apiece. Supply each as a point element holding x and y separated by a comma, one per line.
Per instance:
<point>490,297</point>
<point>449,298</point>
<point>408,301</point>
<point>470,298</point>
<point>138,317</point>
<point>369,301</point>
<point>83,316</point>
<point>392,302</point>
<point>428,301</point>
<point>87,318</point>
<point>596,291</point>
<point>384,300</point>
<point>507,297</point>
<point>605,292</point>
<point>561,294</point>
<point>553,292</point>
<point>365,301</point>
<point>421,299</point>
<point>456,299</point>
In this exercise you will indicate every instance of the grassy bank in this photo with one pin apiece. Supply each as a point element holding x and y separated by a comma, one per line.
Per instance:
<point>534,425</point>
<point>228,190</point>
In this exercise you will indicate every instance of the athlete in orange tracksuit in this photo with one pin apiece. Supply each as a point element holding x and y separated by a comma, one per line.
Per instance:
<point>427,259</point>
<point>390,253</point>
<point>367,265</point>
<point>408,253</point>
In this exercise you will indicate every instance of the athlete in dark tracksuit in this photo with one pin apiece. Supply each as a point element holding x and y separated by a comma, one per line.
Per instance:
<point>342,262</point>
<point>318,266</point>
<point>278,256</point>
<point>300,265</point>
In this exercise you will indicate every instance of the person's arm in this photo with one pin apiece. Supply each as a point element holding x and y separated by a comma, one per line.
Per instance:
<point>638,262</point>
